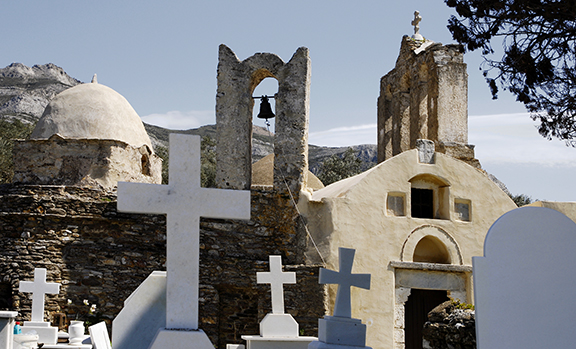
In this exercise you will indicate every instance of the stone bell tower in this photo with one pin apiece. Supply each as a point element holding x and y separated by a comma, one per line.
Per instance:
<point>425,97</point>
<point>234,105</point>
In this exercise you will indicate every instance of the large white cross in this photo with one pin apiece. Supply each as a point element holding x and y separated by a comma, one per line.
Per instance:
<point>276,278</point>
<point>39,288</point>
<point>345,279</point>
<point>183,201</point>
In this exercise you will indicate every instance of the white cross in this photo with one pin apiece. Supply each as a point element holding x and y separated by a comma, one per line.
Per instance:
<point>39,288</point>
<point>276,278</point>
<point>345,279</point>
<point>184,202</point>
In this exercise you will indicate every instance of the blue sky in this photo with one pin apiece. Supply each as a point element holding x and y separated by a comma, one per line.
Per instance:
<point>162,56</point>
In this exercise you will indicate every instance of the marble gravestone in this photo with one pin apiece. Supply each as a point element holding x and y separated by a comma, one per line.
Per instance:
<point>39,289</point>
<point>341,330</point>
<point>524,284</point>
<point>278,330</point>
<point>99,336</point>
<point>183,201</point>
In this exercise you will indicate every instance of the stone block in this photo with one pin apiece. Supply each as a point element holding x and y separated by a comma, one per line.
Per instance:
<point>342,331</point>
<point>181,339</point>
<point>278,325</point>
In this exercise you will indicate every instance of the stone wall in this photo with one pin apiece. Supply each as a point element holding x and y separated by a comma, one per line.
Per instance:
<point>85,162</point>
<point>450,327</point>
<point>101,255</point>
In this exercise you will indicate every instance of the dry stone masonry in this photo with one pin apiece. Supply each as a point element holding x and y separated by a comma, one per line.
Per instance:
<point>234,104</point>
<point>425,97</point>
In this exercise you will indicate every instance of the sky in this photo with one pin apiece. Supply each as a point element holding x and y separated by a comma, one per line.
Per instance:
<point>162,56</point>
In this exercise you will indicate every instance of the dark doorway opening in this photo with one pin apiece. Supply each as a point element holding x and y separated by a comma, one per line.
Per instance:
<point>416,309</point>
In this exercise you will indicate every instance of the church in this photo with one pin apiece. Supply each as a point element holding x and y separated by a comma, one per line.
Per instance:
<point>415,220</point>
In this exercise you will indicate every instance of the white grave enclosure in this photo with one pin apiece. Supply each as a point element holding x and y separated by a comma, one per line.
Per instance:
<point>341,329</point>
<point>277,330</point>
<point>183,201</point>
<point>39,289</point>
<point>7,321</point>
<point>524,284</point>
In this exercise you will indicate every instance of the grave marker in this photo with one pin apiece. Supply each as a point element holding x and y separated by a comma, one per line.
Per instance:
<point>278,330</point>
<point>183,201</point>
<point>341,329</point>
<point>524,284</point>
<point>39,289</point>
<point>276,278</point>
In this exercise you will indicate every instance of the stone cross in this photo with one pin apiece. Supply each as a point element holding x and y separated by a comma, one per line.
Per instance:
<point>416,23</point>
<point>39,288</point>
<point>276,278</point>
<point>345,279</point>
<point>183,201</point>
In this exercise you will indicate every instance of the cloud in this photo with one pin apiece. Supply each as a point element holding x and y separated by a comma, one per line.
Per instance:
<point>513,138</point>
<point>178,120</point>
<point>344,136</point>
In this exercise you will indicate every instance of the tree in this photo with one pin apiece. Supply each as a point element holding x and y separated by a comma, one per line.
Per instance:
<point>336,168</point>
<point>207,162</point>
<point>539,59</point>
<point>521,199</point>
<point>10,130</point>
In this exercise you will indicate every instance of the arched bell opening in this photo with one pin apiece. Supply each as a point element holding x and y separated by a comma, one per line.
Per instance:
<point>263,118</point>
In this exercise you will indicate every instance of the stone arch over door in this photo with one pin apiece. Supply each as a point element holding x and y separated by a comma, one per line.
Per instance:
<point>452,277</point>
<point>234,105</point>
<point>439,234</point>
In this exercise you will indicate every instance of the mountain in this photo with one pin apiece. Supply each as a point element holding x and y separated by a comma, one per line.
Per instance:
<point>25,92</point>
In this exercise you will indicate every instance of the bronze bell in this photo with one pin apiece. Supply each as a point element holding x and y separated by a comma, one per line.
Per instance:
<point>265,109</point>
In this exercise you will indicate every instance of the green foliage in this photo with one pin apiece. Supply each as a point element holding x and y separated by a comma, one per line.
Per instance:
<point>521,199</point>
<point>207,161</point>
<point>538,63</point>
<point>459,305</point>
<point>8,132</point>
<point>336,168</point>
<point>162,152</point>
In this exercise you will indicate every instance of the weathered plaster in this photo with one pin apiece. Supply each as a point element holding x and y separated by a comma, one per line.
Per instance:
<point>352,213</point>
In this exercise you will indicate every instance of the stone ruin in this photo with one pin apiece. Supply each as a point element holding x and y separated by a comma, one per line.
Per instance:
<point>425,97</point>
<point>234,105</point>
<point>89,135</point>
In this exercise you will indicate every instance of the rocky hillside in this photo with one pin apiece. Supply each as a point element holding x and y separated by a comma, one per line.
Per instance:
<point>25,92</point>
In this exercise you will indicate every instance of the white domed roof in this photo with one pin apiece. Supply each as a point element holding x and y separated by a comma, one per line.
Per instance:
<point>92,111</point>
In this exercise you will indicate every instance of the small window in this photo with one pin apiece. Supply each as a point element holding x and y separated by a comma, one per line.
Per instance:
<point>395,204</point>
<point>462,209</point>
<point>422,203</point>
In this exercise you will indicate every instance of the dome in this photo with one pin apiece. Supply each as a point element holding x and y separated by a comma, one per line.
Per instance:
<point>263,174</point>
<point>92,111</point>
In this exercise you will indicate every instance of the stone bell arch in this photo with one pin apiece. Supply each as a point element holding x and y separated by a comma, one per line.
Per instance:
<point>234,105</point>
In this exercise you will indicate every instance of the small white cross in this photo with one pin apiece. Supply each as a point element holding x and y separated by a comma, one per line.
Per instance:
<point>345,279</point>
<point>39,288</point>
<point>183,201</point>
<point>276,278</point>
<point>416,23</point>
